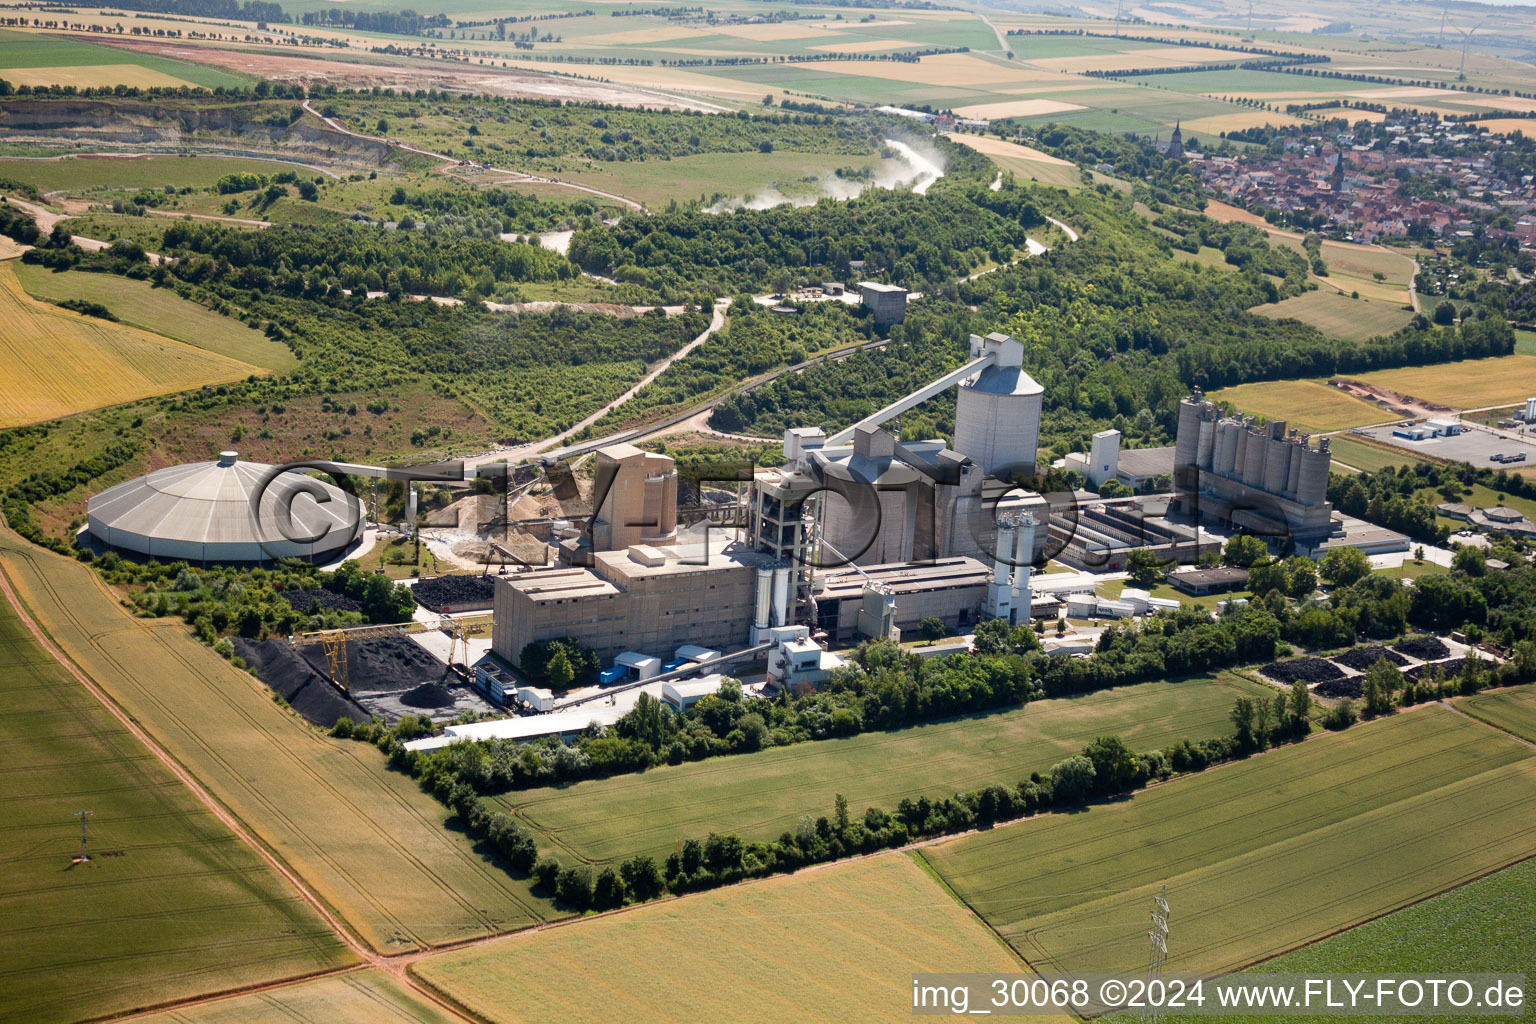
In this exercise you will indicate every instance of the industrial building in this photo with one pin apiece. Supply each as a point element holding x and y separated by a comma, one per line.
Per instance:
<point>203,512</point>
<point>1140,469</point>
<point>887,302</point>
<point>1264,479</point>
<point>857,534</point>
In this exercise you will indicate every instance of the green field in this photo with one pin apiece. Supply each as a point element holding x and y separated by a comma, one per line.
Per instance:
<point>838,943</point>
<point>86,174</point>
<point>1260,856</point>
<point>763,794</point>
<point>1512,710</point>
<point>356,997</point>
<point>171,904</point>
<point>1308,404</point>
<point>1525,343</point>
<point>1367,457</point>
<point>26,50</point>
<point>368,840</point>
<point>159,310</point>
<point>1340,316</point>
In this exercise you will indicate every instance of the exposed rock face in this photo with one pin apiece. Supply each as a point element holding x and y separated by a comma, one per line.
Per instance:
<point>128,122</point>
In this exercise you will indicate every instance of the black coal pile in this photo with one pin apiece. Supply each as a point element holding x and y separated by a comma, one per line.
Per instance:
<point>328,600</point>
<point>1307,670</point>
<point>310,692</point>
<point>428,695</point>
<point>441,591</point>
<point>1362,658</point>
<point>1446,669</point>
<point>1425,648</point>
<point>390,663</point>
<point>1354,687</point>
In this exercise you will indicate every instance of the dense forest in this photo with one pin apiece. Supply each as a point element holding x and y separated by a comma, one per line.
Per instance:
<point>917,241</point>
<point>1115,329</point>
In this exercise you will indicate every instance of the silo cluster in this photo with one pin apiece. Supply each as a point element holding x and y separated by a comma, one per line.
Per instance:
<point>1264,457</point>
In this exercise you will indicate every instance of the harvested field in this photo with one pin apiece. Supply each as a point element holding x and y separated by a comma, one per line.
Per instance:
<point>857,931</point>
<point>1510,126</point>
<point>1469,384</point>
<point>461,592</point>
<point>1513,710</point>
<point>171,905</point>
<point>942,69</point>
<point>1306,404</point>
<point>1017,108</point>
<point>1425,648</point>
<point>343,822</point>
<point>761,795</point>
<point>1362,658</point>
<point>54,362</point>
<point>1306,670</point>
<point>1338,315</point>
<point>1259,856</point>
<point>357,997</point>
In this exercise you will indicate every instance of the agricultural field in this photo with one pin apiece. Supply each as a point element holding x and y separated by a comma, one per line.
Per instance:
<point>1469,384</point>
<point>763,794</point>
<point>1029,164</point>
<point>1308,404</point>
<point>1340,316</point>
<point>1260,856</point>
<point>356,997</point>
<point>830,944</point>
<point>36,59</point>
<point>56,362</point>
<point>160,311</point>
<point>374,846</point>
<point>171,905</point>
<point>1513,710</point>
<point>1367,457</point>
<point>92,174</point>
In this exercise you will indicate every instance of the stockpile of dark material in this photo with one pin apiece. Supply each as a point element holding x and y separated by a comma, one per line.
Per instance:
<point>428,695</point>
<point>328,600</point>
<point>1447,669</point>
<point>441,591</point>
<point>1425,648</point>
<point>1353,687</point>
<point>309,692</point>
<point>1307,670</point>
<point>302,675</point>
<point>1362,658</point>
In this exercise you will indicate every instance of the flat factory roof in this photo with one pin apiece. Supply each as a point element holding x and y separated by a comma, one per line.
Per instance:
<point>523,727</point>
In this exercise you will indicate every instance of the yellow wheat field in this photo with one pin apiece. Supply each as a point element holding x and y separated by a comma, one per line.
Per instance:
<point>92,76</point>
<point>941,69</point>
<point>1510,125</point>
<point>866,45</point>
<point>1017,108</point>
<point>54,362</point>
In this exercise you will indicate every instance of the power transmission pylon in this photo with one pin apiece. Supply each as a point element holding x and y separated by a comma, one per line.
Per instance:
<point>84,856</point>
<point>1158,955</point>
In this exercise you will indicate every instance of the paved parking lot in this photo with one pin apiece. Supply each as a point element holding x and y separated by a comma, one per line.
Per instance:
<point>1475,445</point>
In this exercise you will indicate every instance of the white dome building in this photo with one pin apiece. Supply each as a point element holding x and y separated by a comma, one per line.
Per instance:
<point>202,512</point>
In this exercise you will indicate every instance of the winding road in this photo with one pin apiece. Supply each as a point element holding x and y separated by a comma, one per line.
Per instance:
<point>335,125</point>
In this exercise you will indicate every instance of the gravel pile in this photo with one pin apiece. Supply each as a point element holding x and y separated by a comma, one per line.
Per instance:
<point>310,692</point>
<point>329,600</point>
<point>1308,670</point>
<point>455,590</point>
<point>1341,688</point>
<point>1425,648</point>
<point>428,695</point>
<point>1362,658</point>
<point>1449,669</point>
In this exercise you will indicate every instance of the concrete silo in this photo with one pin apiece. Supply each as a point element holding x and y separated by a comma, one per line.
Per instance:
<point>997,412</point>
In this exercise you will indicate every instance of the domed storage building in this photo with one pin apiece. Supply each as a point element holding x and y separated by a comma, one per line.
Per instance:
<point>202,512</point>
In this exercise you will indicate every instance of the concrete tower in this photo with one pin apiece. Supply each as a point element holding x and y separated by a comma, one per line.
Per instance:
<point>997,412</point>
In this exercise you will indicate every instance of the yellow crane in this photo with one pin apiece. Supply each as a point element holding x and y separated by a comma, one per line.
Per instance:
<point>334,643</point>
